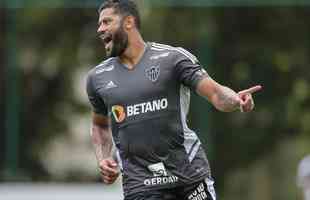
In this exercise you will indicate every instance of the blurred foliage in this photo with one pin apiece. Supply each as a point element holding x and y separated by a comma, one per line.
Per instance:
<point>239,47</point>
<point>269,46</point>
<point>200,3</point>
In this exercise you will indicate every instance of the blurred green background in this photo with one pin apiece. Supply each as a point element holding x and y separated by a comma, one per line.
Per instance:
<point>47,47</point>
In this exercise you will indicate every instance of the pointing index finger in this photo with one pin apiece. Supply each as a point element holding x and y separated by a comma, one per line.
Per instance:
<point>251,90</point>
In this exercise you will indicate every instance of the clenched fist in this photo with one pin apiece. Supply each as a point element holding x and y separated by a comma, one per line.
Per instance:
<point>109,170</point>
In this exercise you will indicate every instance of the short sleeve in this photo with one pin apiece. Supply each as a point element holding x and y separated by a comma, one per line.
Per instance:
<point>96,101</point>
<point>188,69</point>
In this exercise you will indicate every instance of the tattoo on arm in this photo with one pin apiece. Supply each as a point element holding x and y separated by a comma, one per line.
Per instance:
<point>227,100</point>
<point>221,97</point>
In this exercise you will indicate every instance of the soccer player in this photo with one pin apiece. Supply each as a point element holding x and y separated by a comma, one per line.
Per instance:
<point>140,97</point>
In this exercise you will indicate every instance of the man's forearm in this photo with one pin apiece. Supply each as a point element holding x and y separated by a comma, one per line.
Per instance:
<point>221,97</point>
<point>102,141</point>
<point>227,100</point>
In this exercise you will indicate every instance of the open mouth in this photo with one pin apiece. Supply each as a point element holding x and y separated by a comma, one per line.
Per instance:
<point>106,38</point>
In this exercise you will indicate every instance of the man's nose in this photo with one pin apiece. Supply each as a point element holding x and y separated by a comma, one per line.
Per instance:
<point>101,29</point>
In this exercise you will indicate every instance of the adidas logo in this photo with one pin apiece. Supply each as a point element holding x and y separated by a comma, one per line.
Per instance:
<point>110,85</point>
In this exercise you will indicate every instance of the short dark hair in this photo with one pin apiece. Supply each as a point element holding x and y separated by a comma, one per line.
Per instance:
<point>123,7</point>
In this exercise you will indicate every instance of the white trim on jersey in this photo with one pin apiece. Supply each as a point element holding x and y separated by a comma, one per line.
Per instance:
<point>210,188</point>
<point>104,62</point>
<point>119,159</point>
<point>189,55</point>
<point>162,45</point>
<point>157,49</point>
<point>191,142</point>
<point>181,50</point>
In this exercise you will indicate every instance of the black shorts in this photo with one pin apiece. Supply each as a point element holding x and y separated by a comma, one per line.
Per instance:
<point>203,190</point>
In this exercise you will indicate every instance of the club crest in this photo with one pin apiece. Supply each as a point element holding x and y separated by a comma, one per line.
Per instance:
<point>152,73</point>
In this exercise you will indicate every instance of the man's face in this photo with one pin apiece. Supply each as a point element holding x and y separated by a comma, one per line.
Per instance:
<point>112,33</point>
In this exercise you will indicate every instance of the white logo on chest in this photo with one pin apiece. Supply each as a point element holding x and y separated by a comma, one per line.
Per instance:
<point>145,107</point>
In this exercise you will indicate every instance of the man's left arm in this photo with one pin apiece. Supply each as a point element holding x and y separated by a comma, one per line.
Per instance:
<point>191,74</point>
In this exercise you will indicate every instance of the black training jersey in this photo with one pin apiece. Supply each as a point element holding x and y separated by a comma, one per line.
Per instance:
<point>148,107</point>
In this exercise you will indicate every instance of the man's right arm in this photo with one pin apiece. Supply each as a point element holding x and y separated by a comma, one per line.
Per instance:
<point>101,137</point>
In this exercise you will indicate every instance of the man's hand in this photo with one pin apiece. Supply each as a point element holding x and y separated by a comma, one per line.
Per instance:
<point>247,102</point>
<point>109,170</point>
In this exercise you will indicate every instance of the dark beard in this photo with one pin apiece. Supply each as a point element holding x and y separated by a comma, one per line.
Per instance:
<point>120,42</point>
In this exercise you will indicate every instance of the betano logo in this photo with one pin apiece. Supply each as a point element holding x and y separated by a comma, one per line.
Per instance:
<point>146,107</point>
<point>120,113</point>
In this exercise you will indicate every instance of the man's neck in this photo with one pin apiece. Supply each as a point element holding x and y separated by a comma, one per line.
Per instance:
<point>134,52</point>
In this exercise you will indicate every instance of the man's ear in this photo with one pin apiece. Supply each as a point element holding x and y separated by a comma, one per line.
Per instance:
<point>129,22</point>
